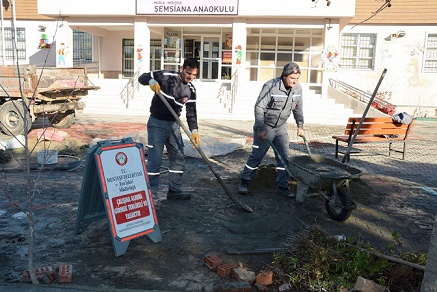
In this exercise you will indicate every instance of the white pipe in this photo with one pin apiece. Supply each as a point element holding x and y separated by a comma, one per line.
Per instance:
<point>3,38</point>
<point>14,17</point>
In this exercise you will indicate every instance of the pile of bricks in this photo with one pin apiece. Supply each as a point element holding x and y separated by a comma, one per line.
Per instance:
<point>46,275</point>
<point>238,278</point>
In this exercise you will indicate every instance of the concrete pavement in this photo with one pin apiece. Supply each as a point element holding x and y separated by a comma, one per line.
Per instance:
<point>398,197</point>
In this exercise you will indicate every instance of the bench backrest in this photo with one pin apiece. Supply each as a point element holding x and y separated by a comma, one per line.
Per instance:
<point>378,126</point>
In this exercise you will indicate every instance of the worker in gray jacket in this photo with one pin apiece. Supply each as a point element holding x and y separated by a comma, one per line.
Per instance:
<point>277,99</point>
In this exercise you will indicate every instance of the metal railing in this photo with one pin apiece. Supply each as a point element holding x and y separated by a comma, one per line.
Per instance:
<point>128,92</point>
<point>379,104</point>
<point>234,89</point>
<point>228,91</point>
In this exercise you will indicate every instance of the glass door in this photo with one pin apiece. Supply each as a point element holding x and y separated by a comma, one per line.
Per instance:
<point>155,55</point>
<point>210,58</point>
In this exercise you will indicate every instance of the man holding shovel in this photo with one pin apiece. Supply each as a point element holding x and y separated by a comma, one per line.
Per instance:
<point>277,99</point>
<point>164,129</point>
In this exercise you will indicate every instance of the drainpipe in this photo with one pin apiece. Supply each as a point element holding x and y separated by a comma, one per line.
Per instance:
<point>3,38</point>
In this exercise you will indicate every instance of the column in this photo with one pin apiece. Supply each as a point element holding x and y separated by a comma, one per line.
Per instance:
<point>142,45</point>
<point>330,55</point>
<point>64,46</point>
<point>239,36</point>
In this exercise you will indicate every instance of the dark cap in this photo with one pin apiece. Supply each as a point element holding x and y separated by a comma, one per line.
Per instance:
<point>290,68</point>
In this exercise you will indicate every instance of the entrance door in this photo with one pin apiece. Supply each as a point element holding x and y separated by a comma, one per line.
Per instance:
<point>210,58</point>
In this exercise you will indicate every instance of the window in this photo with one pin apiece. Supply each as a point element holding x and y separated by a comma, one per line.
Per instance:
<point>430,59</point>
<point>358,51</point>
<point>12,52</point>
<point>268,50</point>
<point>128,58</point>
<point>83,47</point>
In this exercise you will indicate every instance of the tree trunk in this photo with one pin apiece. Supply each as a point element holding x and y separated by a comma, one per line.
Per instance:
<point>429,283</point>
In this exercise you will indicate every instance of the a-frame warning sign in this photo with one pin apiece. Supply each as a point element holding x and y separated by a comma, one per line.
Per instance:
<point>115,185</point>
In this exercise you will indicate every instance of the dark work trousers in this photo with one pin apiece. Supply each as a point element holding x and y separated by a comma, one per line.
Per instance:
<point>279,138</point>
<point>168,133</point>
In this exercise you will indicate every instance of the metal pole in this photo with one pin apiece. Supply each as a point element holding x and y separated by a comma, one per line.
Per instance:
<point>357,130</point>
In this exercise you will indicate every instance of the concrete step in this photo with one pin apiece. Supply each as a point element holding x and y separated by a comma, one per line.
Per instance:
<point>108,100</point>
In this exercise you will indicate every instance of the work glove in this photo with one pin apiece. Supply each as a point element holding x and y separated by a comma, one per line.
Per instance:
<point>195,137</point>
<point>154,85</point>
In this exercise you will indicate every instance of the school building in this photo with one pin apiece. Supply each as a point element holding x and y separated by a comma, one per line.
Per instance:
<point>242,42</point>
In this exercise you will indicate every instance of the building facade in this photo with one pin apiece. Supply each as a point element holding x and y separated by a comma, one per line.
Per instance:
<point>352,41</point>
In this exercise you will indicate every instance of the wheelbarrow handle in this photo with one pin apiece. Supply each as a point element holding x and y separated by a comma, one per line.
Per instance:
<point>306,144</point>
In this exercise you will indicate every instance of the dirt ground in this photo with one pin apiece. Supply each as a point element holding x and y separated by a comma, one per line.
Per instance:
<point>208,224</point>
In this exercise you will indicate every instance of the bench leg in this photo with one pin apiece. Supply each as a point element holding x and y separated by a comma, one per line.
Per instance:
<point>336,148</point>
<point>403,152</point>
<point>389,149</point>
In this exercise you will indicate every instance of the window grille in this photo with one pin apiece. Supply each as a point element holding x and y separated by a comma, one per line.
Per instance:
<point>430,56</point>
<point>11,51</point>
<point>358,51</point>
<point>82,47</point>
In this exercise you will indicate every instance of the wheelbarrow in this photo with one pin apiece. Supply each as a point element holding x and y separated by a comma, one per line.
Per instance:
<point>327,177</point>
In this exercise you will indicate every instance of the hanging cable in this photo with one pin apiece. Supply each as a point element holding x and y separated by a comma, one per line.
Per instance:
<point>386,4</point>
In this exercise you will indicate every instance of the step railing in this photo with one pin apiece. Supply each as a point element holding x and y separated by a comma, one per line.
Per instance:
<point>234,90</point>
<point>228,91</point>
<point>128,91</point>
<point>378,103</point>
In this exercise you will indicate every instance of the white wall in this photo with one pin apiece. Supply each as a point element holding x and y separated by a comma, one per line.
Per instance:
<point>111,50</point>
<point>86,7</point>
<point>34,55</point>
<point>285,8</point>
<point>402,57</point>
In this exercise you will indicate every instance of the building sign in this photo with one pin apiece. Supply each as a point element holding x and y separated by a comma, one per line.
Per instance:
<point>227,57</point>
<point>186,7</point>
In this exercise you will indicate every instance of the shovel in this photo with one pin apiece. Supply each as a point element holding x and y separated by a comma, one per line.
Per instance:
<point>187,131</point>
<point>284,163</point>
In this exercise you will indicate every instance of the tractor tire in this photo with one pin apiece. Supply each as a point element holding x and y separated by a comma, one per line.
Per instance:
<point>12,117</point>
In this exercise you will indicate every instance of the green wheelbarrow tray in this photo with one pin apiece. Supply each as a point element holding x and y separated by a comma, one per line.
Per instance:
<point>319,172</point>
<point>328,177</point>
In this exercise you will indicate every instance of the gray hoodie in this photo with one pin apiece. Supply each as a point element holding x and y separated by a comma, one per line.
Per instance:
<point>275,104</point>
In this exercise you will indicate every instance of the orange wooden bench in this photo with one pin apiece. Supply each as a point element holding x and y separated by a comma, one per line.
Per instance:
<point>376,130</point>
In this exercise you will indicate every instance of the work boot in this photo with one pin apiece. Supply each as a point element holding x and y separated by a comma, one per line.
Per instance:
<point>179,195</point>
<point>243,187</point>
<point>285,192</point>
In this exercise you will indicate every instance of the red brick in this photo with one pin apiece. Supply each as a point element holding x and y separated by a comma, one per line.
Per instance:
<point>212,261</point>
<point>65,273</point>
<point>225,270</point>
<point>43,275</point>
<point>264,278</point>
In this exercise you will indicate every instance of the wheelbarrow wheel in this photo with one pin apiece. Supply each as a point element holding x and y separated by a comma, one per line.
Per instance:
<point>339,213</point>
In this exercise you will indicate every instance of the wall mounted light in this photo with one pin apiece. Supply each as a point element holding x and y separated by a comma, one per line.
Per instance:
<point>329,24</point>
<point>42,28</point>
<point>397,35</point>
<point>400,34</point>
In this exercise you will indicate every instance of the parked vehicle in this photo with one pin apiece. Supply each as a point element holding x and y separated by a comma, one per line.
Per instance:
<point>28,93</point>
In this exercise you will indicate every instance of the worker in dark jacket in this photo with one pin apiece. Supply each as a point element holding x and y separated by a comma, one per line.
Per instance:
<point>277,99</point>
<point>164,129</point>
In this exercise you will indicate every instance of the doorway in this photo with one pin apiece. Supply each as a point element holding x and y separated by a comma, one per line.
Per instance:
<point>210,58</point>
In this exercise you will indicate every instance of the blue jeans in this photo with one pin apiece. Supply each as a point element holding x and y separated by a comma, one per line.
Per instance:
<point>279,138</point>
<point>168,133</point>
